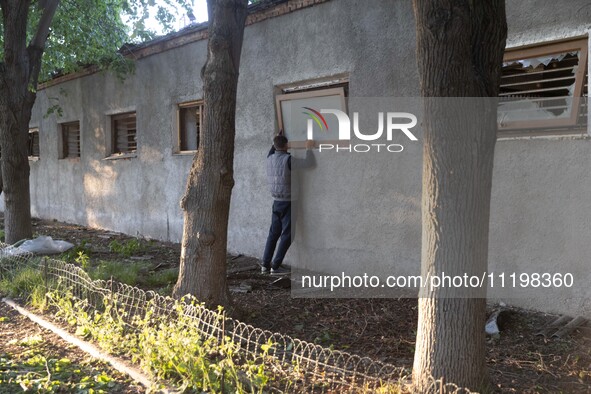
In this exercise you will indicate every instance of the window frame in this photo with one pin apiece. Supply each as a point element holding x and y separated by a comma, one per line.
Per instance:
<point>30,148</point>
<point>321,91</point>
<point>113,119</point>
<point>179,137</point>
<point>550,126</point>
<point>64,140</point>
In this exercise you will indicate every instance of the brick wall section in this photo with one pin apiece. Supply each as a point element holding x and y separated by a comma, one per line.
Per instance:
<point>258,13</point>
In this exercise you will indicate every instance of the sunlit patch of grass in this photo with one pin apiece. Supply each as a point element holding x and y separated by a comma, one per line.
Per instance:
<point>22,283</point>
<point>127,248</point>
<point>121,271</point>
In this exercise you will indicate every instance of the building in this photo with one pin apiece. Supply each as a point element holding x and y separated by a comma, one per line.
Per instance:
<point>119,156</point>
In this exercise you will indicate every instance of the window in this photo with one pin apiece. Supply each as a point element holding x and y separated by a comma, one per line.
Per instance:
<point>190,118</point>
<point>544,88</point>
<point>33,143</point>
<point>298,104</point>
<point>123,133</point>
<point>70,140</point>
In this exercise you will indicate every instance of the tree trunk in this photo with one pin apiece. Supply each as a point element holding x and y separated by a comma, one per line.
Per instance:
<point>14,128</point>
<point>460,46</point>
<point>206,203</point>
<point>15,114</point>
<point>19,73</point>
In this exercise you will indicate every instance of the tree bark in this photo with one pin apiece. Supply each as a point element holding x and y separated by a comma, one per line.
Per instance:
<point>206,203</point>
<point>19,74</point>
<point>15,172</point>
<point>460,45</point>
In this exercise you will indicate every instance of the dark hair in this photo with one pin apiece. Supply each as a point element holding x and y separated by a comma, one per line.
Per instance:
<point>280,142</point>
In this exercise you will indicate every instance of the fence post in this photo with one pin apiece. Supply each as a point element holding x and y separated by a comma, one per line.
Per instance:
<point>111,296</point>
<point>45,273</point>
<point>223,347</point>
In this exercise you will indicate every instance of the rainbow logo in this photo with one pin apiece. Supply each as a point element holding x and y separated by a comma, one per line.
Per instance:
<point>317,117</point>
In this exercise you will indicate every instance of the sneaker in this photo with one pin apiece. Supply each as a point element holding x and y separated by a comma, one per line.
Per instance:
<point>280,271</point>
<point>264,270</point>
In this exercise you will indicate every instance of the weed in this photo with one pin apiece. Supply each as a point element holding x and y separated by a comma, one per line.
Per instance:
<point>73,254</point>
<point>166,290</point>
<point>106,327</point>
<point>122,272</point>
<point>37,370</point>
<point>31,341</point>
<point>38,297</point>
<point>22,283</point>
<point>168,348</point>
<point>127,248</point>
<point>162,278</point>
<point>83,259</point>
<point>324,338</point>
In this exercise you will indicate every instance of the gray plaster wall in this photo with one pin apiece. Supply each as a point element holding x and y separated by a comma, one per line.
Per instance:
<point>138,195</point>
<point>353,213</point>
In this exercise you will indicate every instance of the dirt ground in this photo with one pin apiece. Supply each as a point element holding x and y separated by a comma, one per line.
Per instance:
<point>34,359</point>
<point>383,329</point>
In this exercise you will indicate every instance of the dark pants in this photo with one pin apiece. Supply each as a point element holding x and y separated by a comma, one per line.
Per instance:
<point>280,231</point>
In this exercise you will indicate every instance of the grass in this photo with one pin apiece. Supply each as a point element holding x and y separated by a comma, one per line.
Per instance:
<point>136,273</point>
<point>121,271</point>
<point>162,278</point>
<point>22,283</point>
<point>170,349</point>
<point>127,248</point>
<point>73,254</point>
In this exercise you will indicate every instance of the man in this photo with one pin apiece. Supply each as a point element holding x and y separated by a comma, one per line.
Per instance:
<point>279,167</point>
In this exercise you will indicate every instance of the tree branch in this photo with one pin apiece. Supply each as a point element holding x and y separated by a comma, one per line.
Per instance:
<point>37,45</point>
<point>49,7</point>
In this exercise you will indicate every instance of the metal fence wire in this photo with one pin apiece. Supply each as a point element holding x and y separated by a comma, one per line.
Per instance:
<point>306,367</point>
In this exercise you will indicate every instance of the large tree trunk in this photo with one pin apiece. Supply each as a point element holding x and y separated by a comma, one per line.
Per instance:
<point>14,126</point>
<point>460,46</point>
<point>19,73</point>
<point>206,203</point>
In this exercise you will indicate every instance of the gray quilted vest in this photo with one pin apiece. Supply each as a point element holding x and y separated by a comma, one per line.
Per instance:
<point>279,176</point>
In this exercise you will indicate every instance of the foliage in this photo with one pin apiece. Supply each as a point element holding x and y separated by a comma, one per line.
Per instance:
<point>166,277</point>
<point>83,259</point>
<point>22,283</point>
<point>73,254</point>
<point>85,32</point>
<point>38,370</point>
<point>121,271</point>
<point>168,347</point>
<point>127,248</point>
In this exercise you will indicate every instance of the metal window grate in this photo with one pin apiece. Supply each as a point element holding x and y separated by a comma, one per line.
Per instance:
<point>544,87</point>
<point>124,133</point>
<point>33,143</point>
<point>70,140</point>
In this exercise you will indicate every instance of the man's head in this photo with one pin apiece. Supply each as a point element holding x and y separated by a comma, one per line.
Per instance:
<point>280,142</point>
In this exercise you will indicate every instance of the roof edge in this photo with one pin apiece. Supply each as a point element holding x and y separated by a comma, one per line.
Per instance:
<point>258,12</point>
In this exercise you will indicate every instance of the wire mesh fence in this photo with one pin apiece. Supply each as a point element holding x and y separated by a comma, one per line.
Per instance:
<point>302,367</point>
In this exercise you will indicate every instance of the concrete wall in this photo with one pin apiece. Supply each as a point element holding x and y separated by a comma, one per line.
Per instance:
<point>541,212</point>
